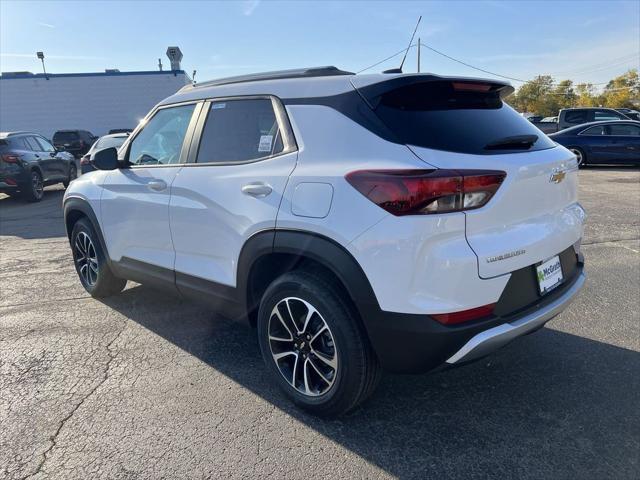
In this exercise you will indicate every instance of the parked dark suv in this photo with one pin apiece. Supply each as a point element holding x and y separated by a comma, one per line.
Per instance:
<point>76,142</point>
<point>28,162</point>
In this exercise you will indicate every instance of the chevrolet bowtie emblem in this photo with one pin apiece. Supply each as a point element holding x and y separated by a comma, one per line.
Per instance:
<point>557,176</point>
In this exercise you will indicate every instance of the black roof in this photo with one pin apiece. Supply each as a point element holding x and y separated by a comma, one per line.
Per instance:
<point>327,71</point>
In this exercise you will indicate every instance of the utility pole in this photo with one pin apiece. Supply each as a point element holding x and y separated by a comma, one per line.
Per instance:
<point>418,54</point>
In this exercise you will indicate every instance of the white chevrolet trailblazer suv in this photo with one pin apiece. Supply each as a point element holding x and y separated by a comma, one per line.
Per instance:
<point>360,222</point>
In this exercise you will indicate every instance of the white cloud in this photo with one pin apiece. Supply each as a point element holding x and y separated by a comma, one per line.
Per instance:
<point>48,25</point>
<point>248,6</point>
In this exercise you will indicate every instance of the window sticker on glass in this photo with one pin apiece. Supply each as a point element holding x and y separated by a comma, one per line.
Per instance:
<point>216,106</point>
<point>265,143</point>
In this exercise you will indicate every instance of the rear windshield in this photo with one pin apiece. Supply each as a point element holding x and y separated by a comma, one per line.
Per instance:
<point>108,142</point>
<point>445,116</point>
<point>61,137</point>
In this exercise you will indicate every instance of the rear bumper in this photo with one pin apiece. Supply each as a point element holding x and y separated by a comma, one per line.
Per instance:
<point>5,187</point>
<point>408,343</point>
<point>17,180</point>
<point>486,342</point>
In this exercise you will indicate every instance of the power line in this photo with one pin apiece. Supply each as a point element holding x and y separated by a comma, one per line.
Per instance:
<point>481,69</point>
<point>490,72</point>
<point>602,65</point>
<point>388,58</point>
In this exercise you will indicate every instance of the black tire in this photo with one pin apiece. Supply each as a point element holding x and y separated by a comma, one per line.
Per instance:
<point>581,156</point>
<point>34,191</point>
<point>73,174</point>
<point>357,372</point>
<point>95,275</point>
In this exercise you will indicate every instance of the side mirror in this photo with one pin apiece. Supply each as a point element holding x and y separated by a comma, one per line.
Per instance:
<point>106,159</point>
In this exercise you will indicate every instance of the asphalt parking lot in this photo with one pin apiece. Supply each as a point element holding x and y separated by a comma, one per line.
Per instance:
<point>147,386</point>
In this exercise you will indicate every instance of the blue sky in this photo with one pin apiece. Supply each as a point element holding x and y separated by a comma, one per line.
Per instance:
<point>584,40</point>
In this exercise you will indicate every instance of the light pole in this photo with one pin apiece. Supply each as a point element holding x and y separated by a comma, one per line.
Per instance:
<point>40,55</point>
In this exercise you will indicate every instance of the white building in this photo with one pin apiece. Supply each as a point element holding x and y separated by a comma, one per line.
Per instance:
<point>96,102</point>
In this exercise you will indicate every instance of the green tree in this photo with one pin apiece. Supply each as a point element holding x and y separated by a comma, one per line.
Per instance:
<point>623,91</point>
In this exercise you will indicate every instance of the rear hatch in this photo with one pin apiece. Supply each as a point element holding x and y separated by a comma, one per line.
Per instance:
<point>66,140</point>
<point>455,123</point>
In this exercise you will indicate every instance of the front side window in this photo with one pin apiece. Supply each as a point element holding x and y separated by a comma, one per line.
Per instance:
<point>45,145</point>
<point>625,130</point>
<point>240,130</point>
<point>160,141</point>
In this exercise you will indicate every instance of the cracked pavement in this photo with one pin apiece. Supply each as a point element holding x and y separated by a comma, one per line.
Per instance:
<point>144,385</point>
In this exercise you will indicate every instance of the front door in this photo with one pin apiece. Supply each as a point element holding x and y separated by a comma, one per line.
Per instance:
<point>241,157</point>
<point>625,142</point>
<point>44,160</point>
<point>135,200</point>
<point>58,162</point>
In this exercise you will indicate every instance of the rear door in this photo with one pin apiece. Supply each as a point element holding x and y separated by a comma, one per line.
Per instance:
<point>597,144</point>
<point>465,124</point>
<point>241,158</point>
<point>135,200</point>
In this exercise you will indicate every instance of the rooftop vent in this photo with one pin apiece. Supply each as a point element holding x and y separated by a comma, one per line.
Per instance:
<point>175,56</point>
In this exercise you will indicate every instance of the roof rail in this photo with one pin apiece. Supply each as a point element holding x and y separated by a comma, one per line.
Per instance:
<point>327,71</point>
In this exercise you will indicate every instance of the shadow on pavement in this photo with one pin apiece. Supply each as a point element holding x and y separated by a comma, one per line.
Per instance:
<point>551,405</point>
<point>44,219</point>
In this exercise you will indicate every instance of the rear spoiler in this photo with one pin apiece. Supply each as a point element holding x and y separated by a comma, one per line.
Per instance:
<point>372,92</point>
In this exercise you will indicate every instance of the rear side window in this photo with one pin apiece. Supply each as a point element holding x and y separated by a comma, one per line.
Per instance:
<point>33,144</point>
<point>19,143</point>
<point>624,129</point>
<point>240,131</point>
<point>443,115</point>
<point>597,130</point>
<point>576,116</point>
<point>606,115</point>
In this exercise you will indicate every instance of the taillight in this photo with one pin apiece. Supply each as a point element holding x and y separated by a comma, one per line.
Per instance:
<point>422,192</point>
<point>454,318</point>
<point>11,158</point>
<point>10,181</point>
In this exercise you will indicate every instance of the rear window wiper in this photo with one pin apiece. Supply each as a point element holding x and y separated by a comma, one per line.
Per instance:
<point>516,142</point>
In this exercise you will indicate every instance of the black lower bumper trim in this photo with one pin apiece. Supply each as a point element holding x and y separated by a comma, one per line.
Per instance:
<point>409,343</point>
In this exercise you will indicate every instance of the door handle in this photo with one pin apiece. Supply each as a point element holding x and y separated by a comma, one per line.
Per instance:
<point>157,185</point>
<point>257,189</point>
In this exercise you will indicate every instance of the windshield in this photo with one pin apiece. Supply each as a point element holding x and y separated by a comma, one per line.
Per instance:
<point>109,142</point>
<point>444,115</point>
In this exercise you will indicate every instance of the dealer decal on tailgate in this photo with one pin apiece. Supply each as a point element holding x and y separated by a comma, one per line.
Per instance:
<point>549,274</point>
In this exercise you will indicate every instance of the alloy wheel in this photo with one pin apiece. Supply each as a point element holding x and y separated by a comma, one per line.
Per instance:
<point>86,258</point>
<point>302,346</point>
<point>38,187</point>
<point>578,155</point>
